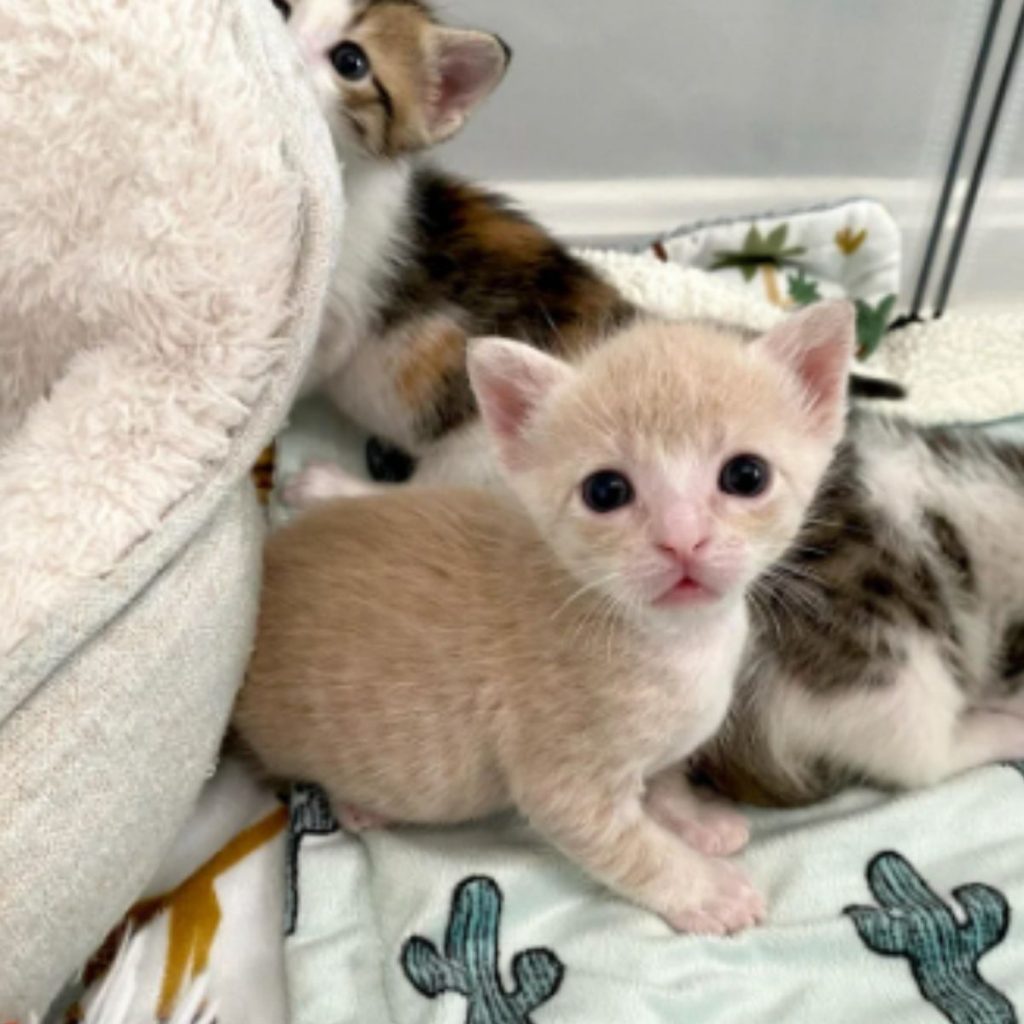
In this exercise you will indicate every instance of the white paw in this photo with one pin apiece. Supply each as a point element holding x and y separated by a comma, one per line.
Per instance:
<point>321,481</point>
<point>719,900</point>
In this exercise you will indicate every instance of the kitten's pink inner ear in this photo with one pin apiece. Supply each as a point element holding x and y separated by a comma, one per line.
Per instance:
<point>469,67</point>
<point>817,345</point>
<point>511,381</point>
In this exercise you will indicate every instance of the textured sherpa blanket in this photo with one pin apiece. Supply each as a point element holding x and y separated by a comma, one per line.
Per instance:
<point>964,368</point>
<point>169,207</point>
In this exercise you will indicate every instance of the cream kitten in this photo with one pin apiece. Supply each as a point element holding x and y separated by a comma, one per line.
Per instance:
<point>434,656</point>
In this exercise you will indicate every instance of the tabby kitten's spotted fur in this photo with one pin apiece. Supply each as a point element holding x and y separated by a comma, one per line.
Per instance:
<point>888,648</point>
<point>429,260</point>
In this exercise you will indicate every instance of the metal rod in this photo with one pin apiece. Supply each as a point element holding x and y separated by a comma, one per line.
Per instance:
<point>956,155</point>
<point>967,210</point>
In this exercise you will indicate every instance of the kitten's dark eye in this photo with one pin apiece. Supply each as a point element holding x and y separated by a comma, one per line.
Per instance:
<point>745,476</point>
<point>283,8</point>
<point>606,490</point>
<point>350,61</point>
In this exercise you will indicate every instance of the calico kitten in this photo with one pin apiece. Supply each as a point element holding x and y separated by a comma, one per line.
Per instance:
<point>888,646</point>
<point>430,260</point>
<point>435,655</point>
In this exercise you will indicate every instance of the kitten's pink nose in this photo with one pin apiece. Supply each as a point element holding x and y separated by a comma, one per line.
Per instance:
<point>683,532</point>
<point>683,550</point>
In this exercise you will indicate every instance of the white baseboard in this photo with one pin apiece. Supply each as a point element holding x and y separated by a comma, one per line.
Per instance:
<point>641,207</point>
<point>627,210</point>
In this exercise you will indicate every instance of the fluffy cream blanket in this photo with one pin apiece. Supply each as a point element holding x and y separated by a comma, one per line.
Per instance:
<point>169,205</point>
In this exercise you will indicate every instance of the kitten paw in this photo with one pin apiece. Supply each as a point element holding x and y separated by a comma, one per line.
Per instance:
<point>321,481</point>
<point>355,819</point>
<point>720,901</point>
<point>717,831</point>
<point>708,824</point>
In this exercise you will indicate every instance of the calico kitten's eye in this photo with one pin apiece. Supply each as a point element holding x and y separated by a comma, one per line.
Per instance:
<point>283,8</point>
<point>745,476</point>
<point>606,490</point>
<point>350,61</point>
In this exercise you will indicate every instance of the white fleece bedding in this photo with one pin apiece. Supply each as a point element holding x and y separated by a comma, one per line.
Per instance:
<point>964,368</point>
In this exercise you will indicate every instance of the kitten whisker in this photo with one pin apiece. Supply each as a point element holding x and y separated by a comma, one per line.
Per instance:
<point>586,588</point>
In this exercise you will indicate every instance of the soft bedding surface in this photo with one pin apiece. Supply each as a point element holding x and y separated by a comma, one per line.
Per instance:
<point>169,206</point>
<point>880,909</point>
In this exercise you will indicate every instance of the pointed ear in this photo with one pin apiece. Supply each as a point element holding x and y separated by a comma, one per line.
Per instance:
<point>467,67</point>
<point>511,381</point>
<point>816,345</point>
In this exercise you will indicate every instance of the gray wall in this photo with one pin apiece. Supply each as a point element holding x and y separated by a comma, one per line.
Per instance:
<point>720,87</point>
<point>726,106</point>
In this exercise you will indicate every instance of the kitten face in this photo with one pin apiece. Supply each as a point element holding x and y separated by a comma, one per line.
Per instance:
<point>390,79</point>
<point>675,464</point>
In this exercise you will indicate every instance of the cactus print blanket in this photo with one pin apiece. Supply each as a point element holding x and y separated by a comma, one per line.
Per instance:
<point>881,909</point>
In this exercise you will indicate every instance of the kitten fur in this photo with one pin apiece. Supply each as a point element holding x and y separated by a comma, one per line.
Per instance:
<point>435,655</point>
<point>887,648</point>
<point>430,260</point>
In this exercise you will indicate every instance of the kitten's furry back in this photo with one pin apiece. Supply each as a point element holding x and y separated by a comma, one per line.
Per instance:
<point>467,264</point>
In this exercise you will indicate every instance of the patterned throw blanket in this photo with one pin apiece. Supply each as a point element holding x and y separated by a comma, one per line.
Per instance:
<point>881,909</point>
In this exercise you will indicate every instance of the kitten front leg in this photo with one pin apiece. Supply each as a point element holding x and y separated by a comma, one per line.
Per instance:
<point>707,823</point>
<point>614,839</point>
<point>317,482</point>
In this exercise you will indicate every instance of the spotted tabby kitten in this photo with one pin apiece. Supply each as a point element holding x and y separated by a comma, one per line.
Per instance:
<point>430,260</point>
<point>888,648</point>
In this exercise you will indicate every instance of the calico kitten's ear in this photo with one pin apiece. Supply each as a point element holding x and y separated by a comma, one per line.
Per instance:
<point>511,381</point>
<point>817,345</point>
<point>467,67</point>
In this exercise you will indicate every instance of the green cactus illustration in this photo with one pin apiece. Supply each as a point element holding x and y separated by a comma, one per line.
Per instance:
<point>872,323</point>
<point>469,964</point>
<point>911,921</point>
<point>309,813</point>
<point>803,290</point>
